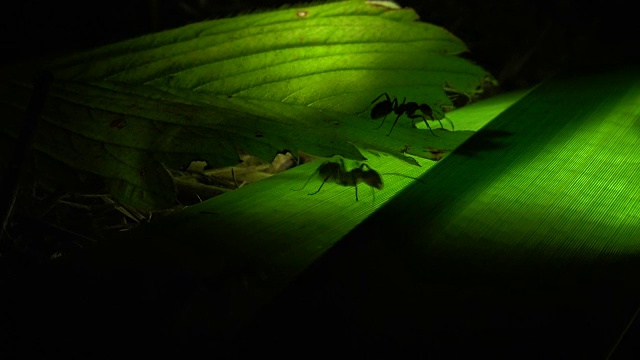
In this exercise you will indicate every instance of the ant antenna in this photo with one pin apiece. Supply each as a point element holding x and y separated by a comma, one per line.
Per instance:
<point>324,181</point>
<point>309,179</point>
<point>450,122</point>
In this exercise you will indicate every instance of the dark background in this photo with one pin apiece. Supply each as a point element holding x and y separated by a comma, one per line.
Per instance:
<point>49,308</point>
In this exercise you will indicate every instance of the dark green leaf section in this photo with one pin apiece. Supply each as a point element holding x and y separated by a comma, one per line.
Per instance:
<point>127,137</point>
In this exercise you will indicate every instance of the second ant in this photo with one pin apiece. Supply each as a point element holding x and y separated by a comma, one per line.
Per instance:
<point>337,172</point>
<point>387,106</point>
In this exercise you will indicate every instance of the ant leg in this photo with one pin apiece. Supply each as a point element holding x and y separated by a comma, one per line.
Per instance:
<point>394,124</point>
<point>450,122</point>
<point>382,123</point>
<point>356,192</point>
<point>444,116</point>
<point>432,118</point>
<point>374,100</point>
<point>394,106</point>
<point>309,179</point>
<point>381,95</point>
<point>425,122</point>
<point>321,185</point>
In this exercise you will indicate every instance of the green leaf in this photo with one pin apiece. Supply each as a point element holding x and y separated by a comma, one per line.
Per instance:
<point>550,184</point>
<point>297,79</point>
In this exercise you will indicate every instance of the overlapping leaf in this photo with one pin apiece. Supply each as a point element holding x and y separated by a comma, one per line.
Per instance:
<point>295,79</point>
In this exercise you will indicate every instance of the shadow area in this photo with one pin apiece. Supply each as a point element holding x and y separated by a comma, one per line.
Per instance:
<point>484,140</point>
<point>364,299</point>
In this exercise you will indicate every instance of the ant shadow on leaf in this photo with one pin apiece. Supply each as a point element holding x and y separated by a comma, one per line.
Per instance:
<point>332,171</point>
<point>337,172</point>
<point>484,140</point>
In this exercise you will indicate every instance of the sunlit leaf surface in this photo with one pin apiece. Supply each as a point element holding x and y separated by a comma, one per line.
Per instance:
<point>293,79</point>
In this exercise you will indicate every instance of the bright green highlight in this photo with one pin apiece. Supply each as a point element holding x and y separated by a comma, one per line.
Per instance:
<point>554,176</point>
<point>278,205</point>
<point>336,56</point>
<point>530,185</point>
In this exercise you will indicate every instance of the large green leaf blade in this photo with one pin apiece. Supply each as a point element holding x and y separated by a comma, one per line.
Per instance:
<point>531,202</point>
<point>338,56</point>
<point>295,79</point>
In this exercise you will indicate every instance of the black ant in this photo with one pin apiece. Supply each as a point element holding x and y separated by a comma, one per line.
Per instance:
<point>386,107</point>
<point>337,172</point>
